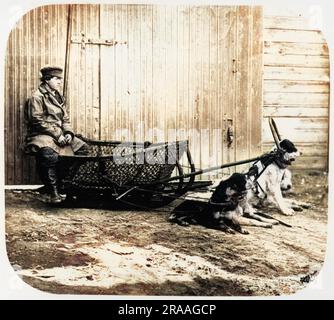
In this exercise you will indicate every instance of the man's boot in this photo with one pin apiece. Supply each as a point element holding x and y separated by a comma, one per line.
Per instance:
<point>50,190</point>
<point>55,196</point>
<point>52,179</point>
<point>46,161</point>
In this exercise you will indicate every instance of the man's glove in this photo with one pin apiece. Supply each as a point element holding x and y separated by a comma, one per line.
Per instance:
<point>62,141</point>
<point>68,138</point>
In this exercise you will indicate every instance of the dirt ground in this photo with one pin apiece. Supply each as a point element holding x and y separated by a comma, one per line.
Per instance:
<point>131,252</point>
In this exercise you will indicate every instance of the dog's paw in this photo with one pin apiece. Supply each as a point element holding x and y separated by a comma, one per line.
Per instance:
<point>172,218</point>
<point>223,227</point>
<point>238,228</point>
<point>183,223</point>
<point>229,230</point>
<point>288,212</point>
<point>179,220</point>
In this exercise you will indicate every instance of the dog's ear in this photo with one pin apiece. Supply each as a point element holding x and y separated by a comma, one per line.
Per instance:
<point>288,146</point>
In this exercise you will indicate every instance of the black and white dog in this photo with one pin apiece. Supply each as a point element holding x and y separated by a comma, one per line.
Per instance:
<point>277,178</point>
<point>227,209</point>
<point>231,204</point>
<point>236,191</point>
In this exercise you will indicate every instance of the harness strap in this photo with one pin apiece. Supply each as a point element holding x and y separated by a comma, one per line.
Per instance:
<point>281,164</point>
<point>220,204</point>
<point>257,191</point>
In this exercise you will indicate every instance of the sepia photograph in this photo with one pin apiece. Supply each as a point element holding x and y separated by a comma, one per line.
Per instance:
<point>167,150</point>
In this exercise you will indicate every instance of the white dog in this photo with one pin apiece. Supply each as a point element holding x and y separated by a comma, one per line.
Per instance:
<point>276,177</point>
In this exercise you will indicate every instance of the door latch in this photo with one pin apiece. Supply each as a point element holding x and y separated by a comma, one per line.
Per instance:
<point>230,133</point>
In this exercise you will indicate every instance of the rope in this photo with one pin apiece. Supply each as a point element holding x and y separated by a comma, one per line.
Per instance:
<point>136,205</point>
<point>172,196</point>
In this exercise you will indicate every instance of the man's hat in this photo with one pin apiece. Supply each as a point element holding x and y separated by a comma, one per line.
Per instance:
<point>52,71</point>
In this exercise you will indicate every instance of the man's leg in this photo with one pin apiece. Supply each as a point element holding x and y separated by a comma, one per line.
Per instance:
<point>46,162</point>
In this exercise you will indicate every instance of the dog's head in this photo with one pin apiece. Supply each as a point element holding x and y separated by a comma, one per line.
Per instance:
<point>240,183</point>
<point>290,151</point>
<point>235,187</point>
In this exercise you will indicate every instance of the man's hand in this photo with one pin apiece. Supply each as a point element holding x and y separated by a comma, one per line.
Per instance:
<point>68,138</point>
<point>62,141</point>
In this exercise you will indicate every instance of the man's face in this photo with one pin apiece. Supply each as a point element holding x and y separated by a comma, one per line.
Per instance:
<point>55,83</point>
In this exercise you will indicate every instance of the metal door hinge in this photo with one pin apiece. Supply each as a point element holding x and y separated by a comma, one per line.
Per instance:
<point>93,41</point>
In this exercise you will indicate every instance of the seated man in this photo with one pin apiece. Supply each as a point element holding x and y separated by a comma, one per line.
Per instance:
<point>49,132</point>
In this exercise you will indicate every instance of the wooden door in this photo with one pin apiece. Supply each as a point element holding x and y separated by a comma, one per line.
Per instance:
<point>176,72</point>
<point>82,83</point>
<point>160,73</point>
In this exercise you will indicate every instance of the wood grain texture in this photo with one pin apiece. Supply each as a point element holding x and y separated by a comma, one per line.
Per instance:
<point>295,48</point>
<point>296,73</point>
<point>296,83</point>
<point>290,60</point>
<point>301,86</point>
<point>39,38</point>
<point>256,92</point>
<point>296,98</point>
<point>304,111</point>
<point>289,23</point>
<point>176,72</point>
<point>295,36</point>
<point>299,130</point>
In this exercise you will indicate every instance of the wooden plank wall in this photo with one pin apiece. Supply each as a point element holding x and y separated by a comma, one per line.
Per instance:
<point>83,81</point>
<point>38,39</point>
<point>296,83</point>
<point>184,69</point>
